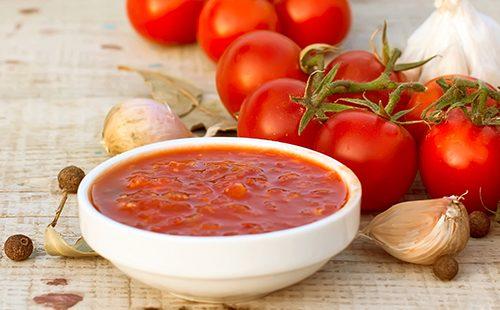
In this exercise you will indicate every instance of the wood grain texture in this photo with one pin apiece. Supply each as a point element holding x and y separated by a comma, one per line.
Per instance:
<point>58,78</point>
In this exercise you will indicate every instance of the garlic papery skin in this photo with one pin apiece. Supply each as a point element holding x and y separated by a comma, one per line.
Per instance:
<point>466,42</point>
<point>140,121</point>
<point>421,231</point>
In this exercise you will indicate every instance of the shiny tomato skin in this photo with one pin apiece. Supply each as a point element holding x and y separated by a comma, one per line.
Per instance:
<point>253,59</point>
<point>268,113</point>
<point>419,101</point>
<point>457,156</point>
<point>319,21</point>
<point>222,21</point>
<point>165,21</point>
<point>382,154</point>
<point>363,66</point>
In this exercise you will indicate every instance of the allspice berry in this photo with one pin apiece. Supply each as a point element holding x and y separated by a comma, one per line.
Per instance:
<point>479,223</point>
<point>69,179</point>
<point>445,268</point>
<point>18,247</point>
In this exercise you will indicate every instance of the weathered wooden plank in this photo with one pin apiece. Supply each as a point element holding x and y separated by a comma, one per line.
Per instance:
<point>363,275</point>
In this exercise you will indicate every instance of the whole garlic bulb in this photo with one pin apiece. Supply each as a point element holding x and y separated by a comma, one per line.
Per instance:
<point>138,122</point>
<point>466,41</point>
<point>421,231</point>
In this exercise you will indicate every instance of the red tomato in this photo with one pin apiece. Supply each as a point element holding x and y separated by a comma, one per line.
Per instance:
<point>165,21</point>
<point>318,21</point>
<point>222,21</point>
<point>457,156</point>
<point>382,154</point>
<point>268,113</point>
<point>420,101</point>
<point>363,66</point>
<point>252,60</point>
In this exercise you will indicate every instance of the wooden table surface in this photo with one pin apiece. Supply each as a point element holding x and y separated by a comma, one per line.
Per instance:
<point>58,78</point>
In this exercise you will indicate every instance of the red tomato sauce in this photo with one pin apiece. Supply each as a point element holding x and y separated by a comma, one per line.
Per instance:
<point>218,191</point>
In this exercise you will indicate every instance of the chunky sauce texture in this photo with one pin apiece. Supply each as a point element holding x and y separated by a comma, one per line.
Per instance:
<point>218,191</point>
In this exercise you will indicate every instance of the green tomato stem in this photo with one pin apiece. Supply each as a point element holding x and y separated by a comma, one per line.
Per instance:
<point>395,96</point>
<point>383,82</point>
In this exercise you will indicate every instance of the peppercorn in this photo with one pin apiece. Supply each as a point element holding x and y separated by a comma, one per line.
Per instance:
<point>18,247</point>
<point>69,178</point>
<point>479,223</point>
<point>445,268</point>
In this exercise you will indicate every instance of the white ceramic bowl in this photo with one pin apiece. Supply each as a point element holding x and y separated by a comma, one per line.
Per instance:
<point>221,269</point>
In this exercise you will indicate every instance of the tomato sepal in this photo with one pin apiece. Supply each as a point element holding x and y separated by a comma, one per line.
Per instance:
<point>473,104</point>
<point>386,52</point>
<point>316,108</point>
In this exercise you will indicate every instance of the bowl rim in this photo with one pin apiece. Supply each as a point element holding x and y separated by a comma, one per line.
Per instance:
<point>348,178</point>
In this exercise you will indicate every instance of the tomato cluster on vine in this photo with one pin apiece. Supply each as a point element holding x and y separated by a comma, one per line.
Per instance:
<point>358,109</point>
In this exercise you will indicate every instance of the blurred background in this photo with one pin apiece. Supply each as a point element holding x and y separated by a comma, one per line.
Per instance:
<point>69,49</point>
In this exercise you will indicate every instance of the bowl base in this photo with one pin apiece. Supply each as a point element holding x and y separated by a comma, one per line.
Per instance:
<point>232,290</point>
<point>226,300</point>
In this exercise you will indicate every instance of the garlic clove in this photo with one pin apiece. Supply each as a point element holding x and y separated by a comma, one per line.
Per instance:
<point>419,232</point>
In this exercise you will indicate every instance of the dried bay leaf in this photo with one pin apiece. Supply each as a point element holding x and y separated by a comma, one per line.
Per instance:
<point>188,101</point>
<point>181,96</point>
<point>212,116</point>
